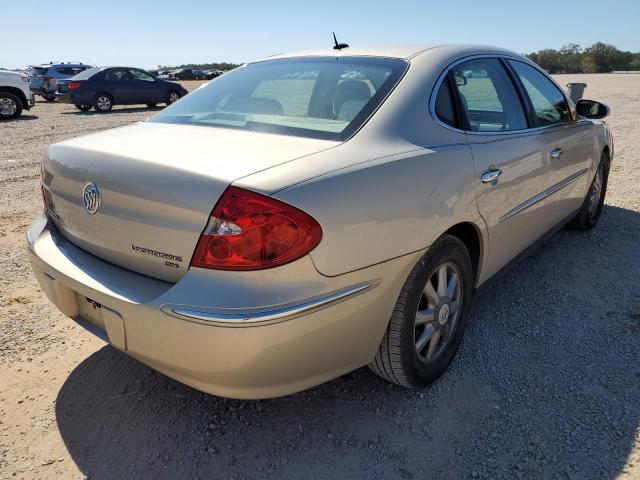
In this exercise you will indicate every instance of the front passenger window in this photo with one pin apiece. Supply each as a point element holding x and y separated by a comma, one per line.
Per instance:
<point>548,102</point>
<point>488,96</point>
<point>140,75</point>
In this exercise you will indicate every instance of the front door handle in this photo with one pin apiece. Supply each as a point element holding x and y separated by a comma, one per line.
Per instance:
<point>491,176</point>
<point>556,152</point>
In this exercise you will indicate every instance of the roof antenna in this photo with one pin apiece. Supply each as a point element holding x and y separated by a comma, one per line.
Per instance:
<point>338,46</point>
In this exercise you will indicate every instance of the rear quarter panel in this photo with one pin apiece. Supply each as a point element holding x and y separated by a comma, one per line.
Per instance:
<point>386,208</point>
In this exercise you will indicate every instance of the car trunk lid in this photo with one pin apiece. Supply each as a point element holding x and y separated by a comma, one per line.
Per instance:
<point>156,184</point>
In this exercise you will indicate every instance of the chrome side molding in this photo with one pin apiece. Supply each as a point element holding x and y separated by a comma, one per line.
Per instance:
<point>238,317</point>
<point>542,195</point>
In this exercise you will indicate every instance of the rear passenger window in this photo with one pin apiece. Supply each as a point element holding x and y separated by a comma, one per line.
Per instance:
<point>548,101</point>
<point>445,110</point>
<point>488,96</point>
<point>117,76</point>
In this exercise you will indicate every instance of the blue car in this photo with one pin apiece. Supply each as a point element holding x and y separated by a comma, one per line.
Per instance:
<point>103,87</point>
<point>43,79</point>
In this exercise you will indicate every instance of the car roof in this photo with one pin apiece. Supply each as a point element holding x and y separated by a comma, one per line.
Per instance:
<point>54,65</point>
<point>394,51</point>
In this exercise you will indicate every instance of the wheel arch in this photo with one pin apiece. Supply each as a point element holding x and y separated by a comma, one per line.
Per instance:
<point>469,234</point>
<point>18,93</point>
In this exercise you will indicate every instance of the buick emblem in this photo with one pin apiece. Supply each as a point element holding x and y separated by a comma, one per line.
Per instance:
<point>91,198</point>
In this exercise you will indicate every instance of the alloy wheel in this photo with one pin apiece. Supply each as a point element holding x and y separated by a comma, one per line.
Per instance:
<point>103,102</point>
<point>7,107</point>
<point>173,97</point>
<point>596,192</point>
<point>438,312</point>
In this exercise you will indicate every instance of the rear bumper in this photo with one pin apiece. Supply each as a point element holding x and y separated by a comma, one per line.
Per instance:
<point>234,334</point>
<point>65,97</point>
<point>42,91</point>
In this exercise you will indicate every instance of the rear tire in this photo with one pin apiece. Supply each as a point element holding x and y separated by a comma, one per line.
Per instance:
<point>10,106</point>
<point>83,108</point>
<point>103,102</point>
<point>430,316</point>
<point>171,97</point>
<point>591,209</point>
<point>49,98</point>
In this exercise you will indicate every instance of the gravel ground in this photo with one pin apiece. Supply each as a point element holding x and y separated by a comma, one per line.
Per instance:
<point>546,383</point>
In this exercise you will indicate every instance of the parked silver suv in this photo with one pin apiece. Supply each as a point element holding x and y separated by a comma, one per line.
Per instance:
<point>43,79</point>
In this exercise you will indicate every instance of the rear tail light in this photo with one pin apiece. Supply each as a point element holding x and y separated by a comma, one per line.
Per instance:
<point>74,85</point>
<point>250,231</point>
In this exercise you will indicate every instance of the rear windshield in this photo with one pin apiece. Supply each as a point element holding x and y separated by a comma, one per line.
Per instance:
<point>39,70</point>
<point>318,97</point>
<point>88,73</point>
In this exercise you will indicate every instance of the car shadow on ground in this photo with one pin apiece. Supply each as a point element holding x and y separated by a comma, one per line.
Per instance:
<point>24,118</point>
<point>545,385</point>
<point>116,110</point>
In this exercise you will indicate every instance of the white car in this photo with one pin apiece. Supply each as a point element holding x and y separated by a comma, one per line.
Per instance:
<point>15,95</point>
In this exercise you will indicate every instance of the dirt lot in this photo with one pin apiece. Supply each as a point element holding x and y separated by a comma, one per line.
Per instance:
<point>546,384</point>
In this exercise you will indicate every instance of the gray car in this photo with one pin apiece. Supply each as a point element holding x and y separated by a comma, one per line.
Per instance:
<point>43,79</point>
<point>308,214</point>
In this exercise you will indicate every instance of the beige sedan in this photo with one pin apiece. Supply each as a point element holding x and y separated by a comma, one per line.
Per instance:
<point>308,214</point>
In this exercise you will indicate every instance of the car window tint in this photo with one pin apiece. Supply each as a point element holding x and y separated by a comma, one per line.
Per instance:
<point>117,76</point>
<point>445,110</point>
<point>63,71</point>
<point>488,96</point>
<point>140,75</point>
<point>548,101</point>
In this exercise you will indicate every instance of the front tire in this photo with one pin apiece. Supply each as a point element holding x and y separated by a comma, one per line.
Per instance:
<point>103,102</point>
<point>430,316</point>
<point>10,106</point>
<point>589,214</point>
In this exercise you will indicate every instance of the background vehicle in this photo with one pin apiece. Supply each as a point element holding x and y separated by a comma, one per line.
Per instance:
<point>344,206</point>
<point>199,75</point>
<point>15,95</point>
<point>211,74</point>
<point>104,87</point>
<point>43,79</point>
<point>182,74</point>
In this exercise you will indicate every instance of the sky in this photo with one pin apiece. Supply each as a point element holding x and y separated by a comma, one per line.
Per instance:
<point>148,33</point>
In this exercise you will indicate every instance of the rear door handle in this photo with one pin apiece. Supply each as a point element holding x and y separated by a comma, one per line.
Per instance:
<point>491,176</point>
<point>556,152</point>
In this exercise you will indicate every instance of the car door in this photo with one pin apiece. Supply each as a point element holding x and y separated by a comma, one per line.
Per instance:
<point>119,84</point>
<point>569,143</point>
<point>510,165</point>
<point>147,89</point>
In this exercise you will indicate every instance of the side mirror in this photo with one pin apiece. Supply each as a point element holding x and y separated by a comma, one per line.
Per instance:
<point>592,109</point>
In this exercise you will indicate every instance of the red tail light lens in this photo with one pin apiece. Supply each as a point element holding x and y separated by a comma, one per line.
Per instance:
<point>74,85</point>
<point>250,231</point>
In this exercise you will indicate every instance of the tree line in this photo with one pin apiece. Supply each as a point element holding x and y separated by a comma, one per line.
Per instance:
<point>204,66</point>
<point>598,58</point>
